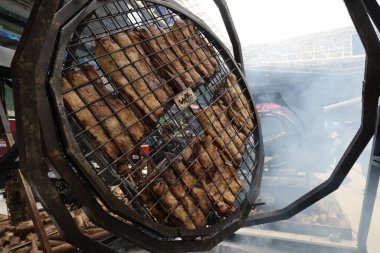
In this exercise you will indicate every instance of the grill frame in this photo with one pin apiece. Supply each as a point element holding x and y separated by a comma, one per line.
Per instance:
<point>57,159</point>
<point>39,149</point>
<point>74,154</point>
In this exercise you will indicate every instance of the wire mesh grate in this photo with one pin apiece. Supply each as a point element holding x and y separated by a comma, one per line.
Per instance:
<point>159,113</point>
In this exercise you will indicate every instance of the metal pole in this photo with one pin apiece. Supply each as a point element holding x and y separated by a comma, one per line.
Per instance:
<point>372,184</point>
<point>231,30</point>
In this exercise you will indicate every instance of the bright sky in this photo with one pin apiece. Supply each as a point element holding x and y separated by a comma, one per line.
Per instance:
<point>260,21</point>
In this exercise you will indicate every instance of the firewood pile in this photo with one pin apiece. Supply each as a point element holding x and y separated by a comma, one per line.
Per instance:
<point>23,237</point>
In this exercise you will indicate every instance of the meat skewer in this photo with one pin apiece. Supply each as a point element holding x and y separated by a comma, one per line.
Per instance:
<point>215,123</point>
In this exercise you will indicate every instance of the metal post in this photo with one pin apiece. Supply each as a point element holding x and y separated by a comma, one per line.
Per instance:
<point>372,184</point>
<point>231,30</point>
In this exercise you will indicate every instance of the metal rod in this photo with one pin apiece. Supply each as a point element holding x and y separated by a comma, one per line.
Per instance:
<point>232,33</point>
<point>370,193</point>
<point>373,10</point>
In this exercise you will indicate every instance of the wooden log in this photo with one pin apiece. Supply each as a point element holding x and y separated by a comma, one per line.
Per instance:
<point>55,237</point>
<point>34,243</point>
<point>55,243</point>
<point>14,240</point>
<point>3,230</point>
<point>65,248</point>
<point>93,230</point>
<point>22,229</point>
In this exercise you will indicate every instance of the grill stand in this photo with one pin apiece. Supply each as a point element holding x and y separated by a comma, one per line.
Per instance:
<point>370,193</point>
<point>30,129</point>
<point>39,157</point>
<point>23,184</point>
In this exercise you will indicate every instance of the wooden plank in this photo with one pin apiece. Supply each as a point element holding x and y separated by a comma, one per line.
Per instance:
<point>35,215</point>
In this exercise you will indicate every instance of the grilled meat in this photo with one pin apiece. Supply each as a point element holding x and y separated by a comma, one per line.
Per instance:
<point>163,57</point>
<point>237,137</point>
<point>124,113</point>
<point>88,121</point>
<point>177,36</point>
<point>170,203</point>
<point>215,123</point>
<point>207,48</point>
<point>238,107</point>
<point>101,110</point>
<point>133,88</point>
<point>225,167</point>
<point>211,181</point>
<point>150,202</point>
<point>136,40</point>
<point>200,52</point>
<point>185,199</point>
<point>159,87</point>
<point>238,92</point>
<point>191,183</point>
<point>186,61</point>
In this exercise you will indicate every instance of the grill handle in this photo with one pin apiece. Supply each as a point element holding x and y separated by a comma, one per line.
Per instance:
<point>232,33</point>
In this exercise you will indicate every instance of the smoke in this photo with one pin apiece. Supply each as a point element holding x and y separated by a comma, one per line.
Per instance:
<point>309,112</point>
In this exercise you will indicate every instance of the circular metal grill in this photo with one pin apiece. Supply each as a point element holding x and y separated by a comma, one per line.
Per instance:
<point>75,117</point>
<point>160,114</point>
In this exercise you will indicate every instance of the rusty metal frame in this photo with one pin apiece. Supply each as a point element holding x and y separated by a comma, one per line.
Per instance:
<point>27,78</point>
<point>231,30</point>
<point>73,152</point>
<point>40,142</point>
<point>39,147</point>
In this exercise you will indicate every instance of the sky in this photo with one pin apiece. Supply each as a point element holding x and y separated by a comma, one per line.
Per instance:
<point>261,21</point>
